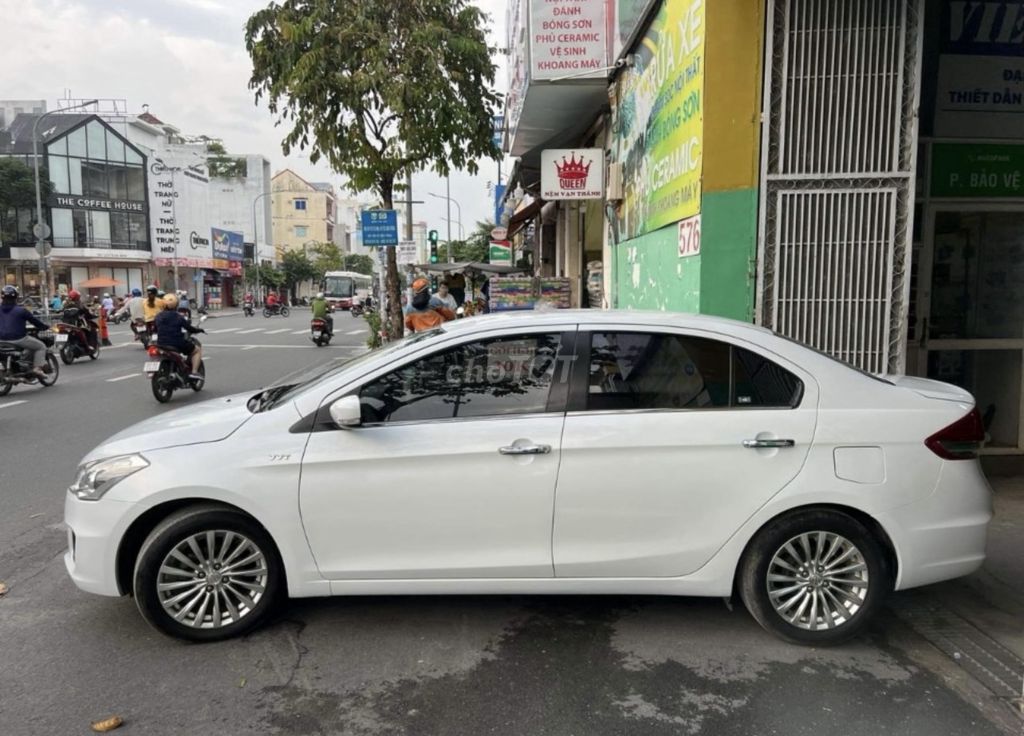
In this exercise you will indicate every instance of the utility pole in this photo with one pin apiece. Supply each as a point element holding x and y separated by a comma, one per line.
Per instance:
<point>408,207</point>
<point>448,196</point>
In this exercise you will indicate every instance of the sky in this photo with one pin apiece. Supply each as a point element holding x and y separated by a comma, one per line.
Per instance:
<point>186,60</point>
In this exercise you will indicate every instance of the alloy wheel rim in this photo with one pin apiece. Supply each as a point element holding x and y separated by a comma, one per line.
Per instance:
<point>817,581</point>
<point>212,579</point>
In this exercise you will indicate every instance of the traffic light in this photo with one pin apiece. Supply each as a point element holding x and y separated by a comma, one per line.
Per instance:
<point>432,237</point>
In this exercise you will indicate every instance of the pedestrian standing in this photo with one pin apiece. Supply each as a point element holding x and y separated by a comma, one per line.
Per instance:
<point>457,286</point>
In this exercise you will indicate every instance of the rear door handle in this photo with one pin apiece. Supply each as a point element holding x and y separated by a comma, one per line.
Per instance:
<point>762,444</point>
<point>525,449</point>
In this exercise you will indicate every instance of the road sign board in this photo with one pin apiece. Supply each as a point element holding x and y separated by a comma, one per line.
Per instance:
<point>41,230</point>
<point>380,227</point>
<point>500,253</point>
<point>43,248</point>
<point>406,253</point>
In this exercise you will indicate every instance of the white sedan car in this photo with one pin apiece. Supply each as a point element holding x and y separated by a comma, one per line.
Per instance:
<point>561,452</point>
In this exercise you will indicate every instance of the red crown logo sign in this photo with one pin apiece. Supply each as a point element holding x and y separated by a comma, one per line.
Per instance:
<point>572,174</point>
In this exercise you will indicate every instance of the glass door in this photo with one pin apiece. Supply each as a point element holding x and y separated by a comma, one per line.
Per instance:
<point>971,313</point>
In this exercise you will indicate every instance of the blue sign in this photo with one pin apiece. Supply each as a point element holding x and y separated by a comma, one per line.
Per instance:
<point>499,194</point>
<point>380,227</point>
<point>228,245</point>
<point>499,130</point>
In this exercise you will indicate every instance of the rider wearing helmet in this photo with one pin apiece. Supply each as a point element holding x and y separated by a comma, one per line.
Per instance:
<point>12,328</point>
<point>107,303</point>
<point>170,333</point>
<point>133,305</point>
<point>152,305</point>
<point>78,314</point>
<point>421,315</point>
<point>321,310</point>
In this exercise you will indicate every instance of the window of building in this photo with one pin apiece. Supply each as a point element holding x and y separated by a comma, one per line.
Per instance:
<point>115,148</point>
<point>99,229</point>
<point>81,230</point>
<point>301,231</point>
<point>94,179</point>
<point>75,175</point>
<point>300,204</point>
<point>96,135</point>
<point>117,181</point>
<point>63,228</point>
<point>664,371</point>
<point>76,143</point>
<point>57,168</point>
<point>119,234</point>
<point>502,376</point>
<point>136,184</point>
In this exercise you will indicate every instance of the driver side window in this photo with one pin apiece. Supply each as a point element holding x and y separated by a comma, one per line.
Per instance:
<point>501,376</point>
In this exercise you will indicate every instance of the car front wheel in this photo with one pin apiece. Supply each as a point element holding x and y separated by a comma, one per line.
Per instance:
<point>207,573</point>
<point>815,577</point>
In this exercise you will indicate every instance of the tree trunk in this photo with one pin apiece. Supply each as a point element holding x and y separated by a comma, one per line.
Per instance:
<point>394,324</point>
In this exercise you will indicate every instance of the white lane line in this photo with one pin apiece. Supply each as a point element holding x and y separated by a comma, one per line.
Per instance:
<point>275,332</point>
<point>298,332</point>
<point>355,332</point>
<point>13,403</point>
<point>246,332</point>
<point>123,378</point>
<point>226,329</point>
<point>250,347</point>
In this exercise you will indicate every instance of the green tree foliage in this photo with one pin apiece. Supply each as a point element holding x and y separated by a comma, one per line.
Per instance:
<point>358,263</point>
<point>327,257</point>
<point>378,89</point>
<point>222,165</point>
<point>297,268</point>
<point>18,190</point>
<point>477,246</point>
<point>265,276</point>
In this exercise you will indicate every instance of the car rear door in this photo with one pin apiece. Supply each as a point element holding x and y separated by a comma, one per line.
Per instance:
<point>672,440</point>
<point>452,473</point>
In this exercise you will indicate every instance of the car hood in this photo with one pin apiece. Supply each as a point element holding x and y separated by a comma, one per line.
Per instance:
<point>932,389</point>
<point>208,421</point>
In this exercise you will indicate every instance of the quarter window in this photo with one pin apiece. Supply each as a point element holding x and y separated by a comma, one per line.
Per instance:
<point>636,370</point>
<point>508,375</point>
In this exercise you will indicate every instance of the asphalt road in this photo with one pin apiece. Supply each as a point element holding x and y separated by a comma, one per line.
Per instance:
<point>459,665</point>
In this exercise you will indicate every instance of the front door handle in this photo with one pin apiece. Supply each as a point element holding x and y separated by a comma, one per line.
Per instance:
<point>763,444</point>
<point>525,449</point>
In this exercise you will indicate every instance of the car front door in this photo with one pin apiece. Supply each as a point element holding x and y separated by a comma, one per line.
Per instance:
<point>451,473</point>
<point>672,441</point>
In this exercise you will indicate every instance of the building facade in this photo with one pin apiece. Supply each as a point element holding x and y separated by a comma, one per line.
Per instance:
<point>847,173</point>
<point>304,212</point>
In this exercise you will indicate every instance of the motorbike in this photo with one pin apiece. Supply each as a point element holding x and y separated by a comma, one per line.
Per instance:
<point>319,332</point>
<point>143,331</point>
<point>247,309</point>
<point>73,339</point>
<point>16,364</point>
<point>169,371</point>
<point>120,317</point>
<point>280,309</point>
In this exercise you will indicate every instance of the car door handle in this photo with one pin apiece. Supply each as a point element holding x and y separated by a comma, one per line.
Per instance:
<point>525,449</point>
<point>762,444</point>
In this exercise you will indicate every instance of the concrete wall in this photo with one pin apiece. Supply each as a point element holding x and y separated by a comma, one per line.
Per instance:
<point>288,187</point>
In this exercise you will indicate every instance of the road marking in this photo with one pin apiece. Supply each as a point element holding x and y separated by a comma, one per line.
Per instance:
<point>282,347</point>
<point>275,332</point>
<point>13,403</point>
<point>226,329</point>
<point>355,332</point>
<point>123,378</point>
<point>246,332</point>
<point>250,347</point>
<point>298,332</point>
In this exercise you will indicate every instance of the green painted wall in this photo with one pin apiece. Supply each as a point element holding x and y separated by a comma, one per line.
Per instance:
<point>649,274</point>
<point>728,251</point>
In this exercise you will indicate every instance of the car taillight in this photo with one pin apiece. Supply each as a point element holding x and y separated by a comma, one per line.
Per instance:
<point>154,351</point>
<point>960,440</point>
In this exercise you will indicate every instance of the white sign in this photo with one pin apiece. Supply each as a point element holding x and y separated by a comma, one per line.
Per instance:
<point>406,253</point>
<point>499,233</point>
<point>568,38</point>
<point>179,205</point>
<point>572,173</point>
<point>689,236</point>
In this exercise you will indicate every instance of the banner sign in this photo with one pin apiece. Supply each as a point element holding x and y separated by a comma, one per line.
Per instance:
<point>571,173</point>
<point>228,245</point>
<point>406,253</point>
<point>977,170</point>
<point>981,70</point>
<point>568,38</point>
<point>500,253</point>
<point>380,227</point>
<point>659,115</point>
<point>499,206</point>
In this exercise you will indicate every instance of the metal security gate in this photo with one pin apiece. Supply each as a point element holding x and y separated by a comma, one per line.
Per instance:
<point>837,175</point>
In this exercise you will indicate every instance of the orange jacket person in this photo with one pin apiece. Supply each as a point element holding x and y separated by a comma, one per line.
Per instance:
<point>420,315</point>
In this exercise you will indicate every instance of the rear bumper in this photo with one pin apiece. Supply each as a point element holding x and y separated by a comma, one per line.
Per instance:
<point>943,536</point>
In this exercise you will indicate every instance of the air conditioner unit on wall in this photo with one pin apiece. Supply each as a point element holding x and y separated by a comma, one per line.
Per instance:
<point>614,187</point>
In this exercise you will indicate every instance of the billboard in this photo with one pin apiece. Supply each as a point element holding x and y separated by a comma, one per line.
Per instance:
<point>228,245</point>
<point>571,173</point>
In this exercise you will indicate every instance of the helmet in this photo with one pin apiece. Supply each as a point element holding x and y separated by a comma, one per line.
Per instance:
<point>9,292</point>
<point>106,294</point>
<point>319,295</point>
<point>151,289</point>
<point>160,294</point>
<point>74,295</point>
<point>420,285</point>
<point>171,301</point>
<point>136,291</point>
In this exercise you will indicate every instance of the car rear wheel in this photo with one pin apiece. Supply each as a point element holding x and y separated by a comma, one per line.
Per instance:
<point>815,577</point>
<point>207,573</point>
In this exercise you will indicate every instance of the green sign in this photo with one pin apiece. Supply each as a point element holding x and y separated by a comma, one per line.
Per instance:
<point>990,170</point>
<point>500,253</point>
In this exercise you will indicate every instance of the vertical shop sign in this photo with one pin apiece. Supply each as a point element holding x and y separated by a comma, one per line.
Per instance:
<point>568,38</point>
<point>659,116</point>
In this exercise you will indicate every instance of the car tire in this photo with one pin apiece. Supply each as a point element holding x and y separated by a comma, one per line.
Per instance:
<point>814,577</point>
<point>210,609</point>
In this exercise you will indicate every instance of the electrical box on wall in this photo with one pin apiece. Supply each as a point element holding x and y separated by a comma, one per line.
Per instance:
<point>614,182</point>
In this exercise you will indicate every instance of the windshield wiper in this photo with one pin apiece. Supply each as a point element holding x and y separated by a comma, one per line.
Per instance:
<point>268,398</point>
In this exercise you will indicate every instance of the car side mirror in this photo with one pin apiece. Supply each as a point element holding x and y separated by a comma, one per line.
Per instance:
<point>347,412</point>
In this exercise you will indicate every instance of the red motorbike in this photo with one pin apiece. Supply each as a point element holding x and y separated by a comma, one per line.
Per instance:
<point>169,371</point>
<point>75,337</point>
<point>319,332</point>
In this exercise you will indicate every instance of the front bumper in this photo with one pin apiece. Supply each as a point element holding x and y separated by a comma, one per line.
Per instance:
<point>95,529</point>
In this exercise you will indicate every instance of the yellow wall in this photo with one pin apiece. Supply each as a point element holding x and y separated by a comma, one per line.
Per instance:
<point>285,217</point>
<point>732,84</point>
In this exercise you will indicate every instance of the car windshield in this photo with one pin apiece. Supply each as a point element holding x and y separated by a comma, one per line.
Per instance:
<point>307,378</point>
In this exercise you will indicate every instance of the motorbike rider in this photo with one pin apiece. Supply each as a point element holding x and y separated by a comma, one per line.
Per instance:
<point>420,314</point>
<point>321,310</point>
<point>12,328</point>
<point>272,302</point>
<point>152,305</point>
<point>79,315</point>
<point>171,327</point>
<point>107,303</point>
<point>133,305</point>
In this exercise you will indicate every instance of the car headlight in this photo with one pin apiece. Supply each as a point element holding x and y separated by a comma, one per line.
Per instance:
<point>96,478</point>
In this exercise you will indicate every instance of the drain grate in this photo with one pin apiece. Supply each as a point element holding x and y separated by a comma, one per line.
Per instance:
<point>988,661</point>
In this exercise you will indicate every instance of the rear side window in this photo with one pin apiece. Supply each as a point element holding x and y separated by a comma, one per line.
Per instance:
<point>639,370</point>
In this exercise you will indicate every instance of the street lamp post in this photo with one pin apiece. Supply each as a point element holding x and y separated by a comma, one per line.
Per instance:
<point>449,218</point>
<point>39,231</point>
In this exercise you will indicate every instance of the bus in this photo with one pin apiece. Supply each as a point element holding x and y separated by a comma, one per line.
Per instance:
<point>340,287</point>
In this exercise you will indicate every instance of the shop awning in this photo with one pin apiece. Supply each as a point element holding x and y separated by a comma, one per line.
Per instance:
<point>478,266</point>
<point>521,219</point>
